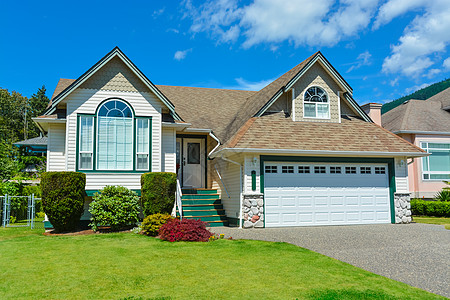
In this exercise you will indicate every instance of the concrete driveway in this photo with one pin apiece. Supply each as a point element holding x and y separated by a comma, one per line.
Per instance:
<point>416,254</point>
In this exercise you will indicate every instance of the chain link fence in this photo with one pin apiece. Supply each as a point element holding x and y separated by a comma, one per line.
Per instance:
<point>21,211</point>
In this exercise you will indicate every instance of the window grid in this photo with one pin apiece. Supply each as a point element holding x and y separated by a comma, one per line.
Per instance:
<point>304,169</point>
<point>437,165</point>
<point>271,169</point>
<point>350,170</point>
<point>365,170</point>
<point>287,169</point>
<point>320,169</point>
<point>316,104</point>
<point>335,170</point>
<point>380,170</point>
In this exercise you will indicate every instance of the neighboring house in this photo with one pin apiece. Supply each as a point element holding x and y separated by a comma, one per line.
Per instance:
<point>426,124</point>
<point>34,146</point>
<point>298,152</point>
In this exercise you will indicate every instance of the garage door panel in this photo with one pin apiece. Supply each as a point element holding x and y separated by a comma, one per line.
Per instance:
<point>297,199</point>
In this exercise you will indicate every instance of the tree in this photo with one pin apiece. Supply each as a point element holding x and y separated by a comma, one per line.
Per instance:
<point>36,106</point>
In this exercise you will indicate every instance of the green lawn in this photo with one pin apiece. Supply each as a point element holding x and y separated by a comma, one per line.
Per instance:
<point>126,265</point>
<point>433,220</point>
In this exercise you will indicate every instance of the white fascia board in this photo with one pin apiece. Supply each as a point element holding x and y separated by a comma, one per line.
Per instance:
<point>105,60</point>
<point>197,130</point>
<point>176,125</point>
<point>49,120</point>
<point>319,152</point>
<point>421,132</point>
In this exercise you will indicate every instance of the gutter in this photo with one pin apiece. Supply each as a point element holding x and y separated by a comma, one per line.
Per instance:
<point>421,132</point>
<point>240,187</point>
<point>319,152</point>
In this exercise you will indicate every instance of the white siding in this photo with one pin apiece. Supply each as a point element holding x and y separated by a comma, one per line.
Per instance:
<point>168,150</point>
<point>230,175</point>
<point>86,101</point>
<point>56,156</point>
<point>401,175</point>
<point>251,164</point>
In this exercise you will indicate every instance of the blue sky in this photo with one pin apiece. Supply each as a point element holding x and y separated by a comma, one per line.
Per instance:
<point>384,49</point>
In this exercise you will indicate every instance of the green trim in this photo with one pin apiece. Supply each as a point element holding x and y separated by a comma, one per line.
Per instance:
<point>94,154</point>
<point>253,180</point>
<point>388,161</point>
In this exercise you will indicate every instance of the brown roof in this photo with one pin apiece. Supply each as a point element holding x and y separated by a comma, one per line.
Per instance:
<point>206,108</point>
<point>353,134</point>
<point>63,83</point>
<point>420,115</point>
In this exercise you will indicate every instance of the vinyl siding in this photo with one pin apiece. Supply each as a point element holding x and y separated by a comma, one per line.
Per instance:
<point>56,154</point>
<point>251,163</point>
<point>86,101</point>
<point>401,175</point>
<point>230,175</point>
<point>168,150</point>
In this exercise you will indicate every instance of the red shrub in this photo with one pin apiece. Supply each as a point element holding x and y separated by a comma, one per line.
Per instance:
<point>184,230</point>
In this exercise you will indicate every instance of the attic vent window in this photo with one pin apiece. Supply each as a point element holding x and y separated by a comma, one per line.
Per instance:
<point>316,104</point>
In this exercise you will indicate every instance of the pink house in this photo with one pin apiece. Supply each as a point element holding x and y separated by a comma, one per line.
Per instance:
<point>425,124</point>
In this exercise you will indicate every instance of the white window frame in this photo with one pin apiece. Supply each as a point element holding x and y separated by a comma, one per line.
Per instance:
<point>92,143</point>
<point>315,104</point>
<point>424,146</point>
<point>148,149</point>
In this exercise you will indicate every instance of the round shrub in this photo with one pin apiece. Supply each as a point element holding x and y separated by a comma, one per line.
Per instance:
<point>63,198</point>
<point>185,230</point>
<point>158,192</point>
<point>152,223</point>
<point>114,206</point>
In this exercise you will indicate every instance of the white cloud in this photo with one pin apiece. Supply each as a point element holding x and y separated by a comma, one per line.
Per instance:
<point>395,8</point>
<point>446,64</point>
<point>158,12</point>
<point>363,59</point>
<point>416,88</point>
<point>426,35</point>
<point>181,54</point>
<point>243,84</point>
<point>431,73</point>
<point>394,82</point>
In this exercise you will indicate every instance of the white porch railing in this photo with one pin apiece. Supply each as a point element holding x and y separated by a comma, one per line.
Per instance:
<point>178,204</point>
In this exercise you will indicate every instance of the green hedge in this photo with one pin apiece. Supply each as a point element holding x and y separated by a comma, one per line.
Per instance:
<point>63,198</point>
<point>430,208</point>
<point>158,192</point>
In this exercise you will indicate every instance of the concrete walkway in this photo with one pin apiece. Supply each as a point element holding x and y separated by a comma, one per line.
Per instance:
<point>416,254</point>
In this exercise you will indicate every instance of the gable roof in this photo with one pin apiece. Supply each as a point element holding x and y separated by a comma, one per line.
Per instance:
<point>420,115</point>
<point>352,135</point>
<point>116,52</point>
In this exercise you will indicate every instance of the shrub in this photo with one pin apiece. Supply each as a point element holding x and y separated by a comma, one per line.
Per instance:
<point>32,189</point>
<point>430,208</point>
<point>158,192</point>
<point>184,230</point>
<point>63,198</point>
<point>12,188</point>
<point>114,206</point>
<point>443,195</point>
<point>152,223</point>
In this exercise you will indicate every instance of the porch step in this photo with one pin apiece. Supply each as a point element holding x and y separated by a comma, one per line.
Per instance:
<point>200,196</point>
<point>205,205</point>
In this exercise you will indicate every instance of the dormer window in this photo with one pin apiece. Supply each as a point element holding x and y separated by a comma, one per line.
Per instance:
<point>316,103</point>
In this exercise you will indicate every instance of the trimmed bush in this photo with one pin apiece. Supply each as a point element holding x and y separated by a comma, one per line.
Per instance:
<point>430,208</point>
<point>152,223</point>
<point>114,206</point>
<point>63,198</point>
<point>158,192</point>
<point>185,230</point>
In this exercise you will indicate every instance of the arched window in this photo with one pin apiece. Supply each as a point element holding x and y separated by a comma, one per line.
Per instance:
<point>120,142</point>
<point>114,136</point>
<point>316,103</point>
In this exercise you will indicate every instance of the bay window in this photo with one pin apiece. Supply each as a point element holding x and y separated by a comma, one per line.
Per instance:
<point>114,139</point>
<point>437,165</point>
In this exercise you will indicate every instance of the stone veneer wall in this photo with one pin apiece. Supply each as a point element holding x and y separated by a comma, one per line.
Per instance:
<point>253,210</point>
<point>402,206</point>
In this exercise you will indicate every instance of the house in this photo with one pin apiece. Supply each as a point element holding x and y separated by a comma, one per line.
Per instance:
<point>426,124</point>
<point>299,152</point>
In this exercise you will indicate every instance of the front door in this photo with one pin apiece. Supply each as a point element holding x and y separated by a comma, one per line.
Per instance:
<point>193,162</point>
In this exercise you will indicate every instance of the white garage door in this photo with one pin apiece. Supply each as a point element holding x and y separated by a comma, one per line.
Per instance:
<point>305,194</point>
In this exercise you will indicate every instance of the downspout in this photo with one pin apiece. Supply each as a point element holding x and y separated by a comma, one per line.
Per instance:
<point>240,187</point>
<point>217,140</point>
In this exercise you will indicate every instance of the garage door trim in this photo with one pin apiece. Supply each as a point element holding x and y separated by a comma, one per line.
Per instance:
<point>357,160</point>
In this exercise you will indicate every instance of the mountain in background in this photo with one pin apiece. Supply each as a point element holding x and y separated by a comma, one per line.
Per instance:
<point>421,94</point>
